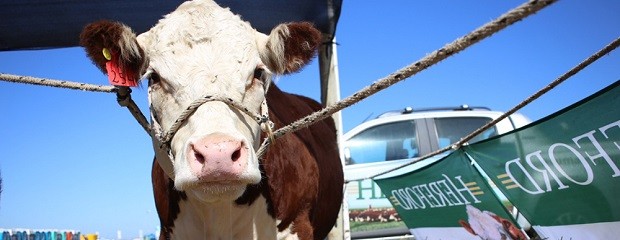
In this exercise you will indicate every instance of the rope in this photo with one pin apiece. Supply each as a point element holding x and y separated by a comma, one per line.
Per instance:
<point>167,136</point>
<point>123,94</point>
<point>123,97</point>
<point>56,83</point>
<point>448,50</point>
<point>607,49</point>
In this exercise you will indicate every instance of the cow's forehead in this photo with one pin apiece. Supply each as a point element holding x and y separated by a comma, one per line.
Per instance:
<point>199,34</point>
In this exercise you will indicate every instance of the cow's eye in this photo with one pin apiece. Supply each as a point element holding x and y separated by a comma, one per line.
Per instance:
<point>259,74</point>
<point>154,78</point>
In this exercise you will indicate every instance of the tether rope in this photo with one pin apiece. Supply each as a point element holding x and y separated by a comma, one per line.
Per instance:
<point>123,97</point>
<point>448,50</point>
<point>123,94</point>
<point>607,49</point>
<point>56,83</point>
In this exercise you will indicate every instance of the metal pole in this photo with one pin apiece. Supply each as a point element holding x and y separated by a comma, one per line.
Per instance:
<point>330,94</point>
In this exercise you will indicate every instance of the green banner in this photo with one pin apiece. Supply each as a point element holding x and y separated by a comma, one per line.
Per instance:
<point>446,200</point>
<point>561,172</point>
<point>563,169</point>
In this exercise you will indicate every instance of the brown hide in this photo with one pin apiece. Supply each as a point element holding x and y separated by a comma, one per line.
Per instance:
<point>166,200</point>
<point>302,175</point>
<point>287,161</point>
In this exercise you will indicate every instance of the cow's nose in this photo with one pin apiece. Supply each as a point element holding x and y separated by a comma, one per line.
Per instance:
<point>217,148</point>
<point>217,157</point>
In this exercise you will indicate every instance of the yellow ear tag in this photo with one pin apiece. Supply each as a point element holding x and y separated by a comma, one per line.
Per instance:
<point>107,54</point>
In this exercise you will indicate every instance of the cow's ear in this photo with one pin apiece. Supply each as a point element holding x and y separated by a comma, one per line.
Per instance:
<point>120,43</point>
<point>290,47</point>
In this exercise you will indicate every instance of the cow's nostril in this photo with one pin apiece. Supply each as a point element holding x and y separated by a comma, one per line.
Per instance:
<point>199,157</point>
<point>235,156</point>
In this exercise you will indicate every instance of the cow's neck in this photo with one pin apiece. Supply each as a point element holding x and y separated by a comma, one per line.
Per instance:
<point>226,220</point>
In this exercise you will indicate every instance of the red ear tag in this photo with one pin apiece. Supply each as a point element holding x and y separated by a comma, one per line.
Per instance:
<point>118,76</point>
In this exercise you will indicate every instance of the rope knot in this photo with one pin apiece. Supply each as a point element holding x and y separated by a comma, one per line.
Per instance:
<point>263,119</point>
<point>267,126</point>
<point>123,96</point>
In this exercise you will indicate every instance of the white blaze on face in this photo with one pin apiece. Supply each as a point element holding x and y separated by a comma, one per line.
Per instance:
<point>484,225</point>
<point>194,52</point>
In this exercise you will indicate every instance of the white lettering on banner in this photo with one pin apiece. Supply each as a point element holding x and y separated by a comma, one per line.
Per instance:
<point>425,196</point>
<point>599,148</point>
<point>529,177</point>
<point>604,131</point>
<point>374,190</point>
<point>540,174</point>
<point>437,191</point>
<point>464,189</point>
<point>451,196</point>
<point>582,160</point>
<point>544,172</point>
<point>436,194</point>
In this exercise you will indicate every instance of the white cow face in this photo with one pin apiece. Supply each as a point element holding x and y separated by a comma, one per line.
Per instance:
<point>198,50</point>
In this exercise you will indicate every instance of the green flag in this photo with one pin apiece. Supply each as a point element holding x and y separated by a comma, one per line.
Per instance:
<point>562,172</point>
<point>448,199</point>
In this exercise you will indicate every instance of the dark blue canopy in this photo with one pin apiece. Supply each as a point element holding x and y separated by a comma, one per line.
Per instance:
<point>40,24</point>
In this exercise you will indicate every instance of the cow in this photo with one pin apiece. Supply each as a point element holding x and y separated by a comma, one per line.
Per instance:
<point>487,225</point>
<point>373,215</point>
<point>208,181</point>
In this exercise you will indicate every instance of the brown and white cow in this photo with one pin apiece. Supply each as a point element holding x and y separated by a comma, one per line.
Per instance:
<point>208,182</point>
<point>487,225</point>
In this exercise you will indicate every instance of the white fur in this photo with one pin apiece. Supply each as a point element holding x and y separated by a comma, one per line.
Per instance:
<point>287,234</point>
<point>198,220</point>
<point>201,49</point>
<point>275,48</point>
<point>129,48</point>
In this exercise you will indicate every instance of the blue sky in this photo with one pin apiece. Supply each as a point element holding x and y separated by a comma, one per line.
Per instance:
<point>76,160</point>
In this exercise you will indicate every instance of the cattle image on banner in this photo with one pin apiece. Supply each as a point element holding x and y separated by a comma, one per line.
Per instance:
<point>212,103</point>
<point>488,225</point>
<point>562,172</point>
<point>449,199</point>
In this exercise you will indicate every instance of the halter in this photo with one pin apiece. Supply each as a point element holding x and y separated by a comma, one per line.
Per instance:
<point>162,139</point>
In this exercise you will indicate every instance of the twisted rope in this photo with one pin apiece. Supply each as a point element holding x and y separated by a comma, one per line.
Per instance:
<point>505,20</point>
<point>607,49</point>
<point>123,94</point>
<point>123,97</point>
<point>56,83</point>
<point>167,136</point>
